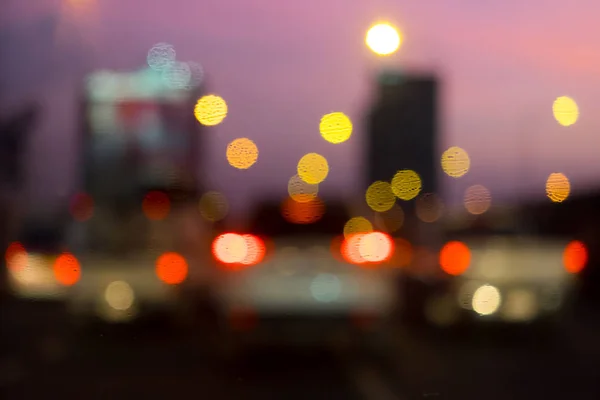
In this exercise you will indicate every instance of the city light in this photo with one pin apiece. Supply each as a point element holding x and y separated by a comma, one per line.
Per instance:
<point>210,110</point>
<point>477,199</point>
<point>335,127</point>
<point>383,39</point>
<point>313,168</point>
<point>301,191</point>
<point>456,162</point>
<point>242,153</point>
<point>558,187</point>
<point>565,110</point>
<point>406,184</point>
<point>380,197</point>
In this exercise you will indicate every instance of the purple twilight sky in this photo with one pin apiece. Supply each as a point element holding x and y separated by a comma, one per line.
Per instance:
<point>281,65</point>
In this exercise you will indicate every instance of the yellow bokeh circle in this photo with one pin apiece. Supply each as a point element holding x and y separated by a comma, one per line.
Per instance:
<point>301,191</point>
<point>456,162</point>
<point>242,153</point>
<point>383,39</point>
<point>477,200</point>
<point>565,110</point>
<point>406,184</point>
<point>335,127</point>
<point>313,168</point>
<point>357,225</point>
<point>380,197</point>
<point>558,187</point>
<point>210,110</point>
<point>213,206</point>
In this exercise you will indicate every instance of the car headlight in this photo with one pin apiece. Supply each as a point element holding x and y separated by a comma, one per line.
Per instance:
<point>486,300</point>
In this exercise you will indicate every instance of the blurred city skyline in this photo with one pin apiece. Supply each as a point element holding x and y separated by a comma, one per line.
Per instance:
<point>281,66</point>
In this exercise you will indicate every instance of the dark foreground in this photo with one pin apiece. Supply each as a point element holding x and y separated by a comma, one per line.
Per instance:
<point>40,360</point>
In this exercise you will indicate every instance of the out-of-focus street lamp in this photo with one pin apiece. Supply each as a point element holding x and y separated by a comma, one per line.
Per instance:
<point>383,39</point>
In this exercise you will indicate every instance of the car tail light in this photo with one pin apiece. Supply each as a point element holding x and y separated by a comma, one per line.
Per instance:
<point>236,249</point>
<point>367,248</point>
<point>455,258</point>
<point>171,268</point>
<point>67,270</point>
<point>575,256</point>
<point>16,256</point>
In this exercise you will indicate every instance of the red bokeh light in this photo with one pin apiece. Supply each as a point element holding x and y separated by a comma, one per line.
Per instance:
<point>575,256</point>
<point>455,258</point>
<point>171,268</point>
<point>15,256</point>
<point>67,270</point>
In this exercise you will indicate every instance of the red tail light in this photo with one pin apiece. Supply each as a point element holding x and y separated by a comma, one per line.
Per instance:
<point>16,256</point>
<point>171,268</point>
<point>455,258</point>
<point>575,256</point>
<point>67,270</point>
<point>367,248</point>
<point>236,249</point>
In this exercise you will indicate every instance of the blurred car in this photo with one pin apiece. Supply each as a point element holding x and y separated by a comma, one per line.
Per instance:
<point>126,268</point>
<point>292,278</point>
<point>30,262</point>
<point>505,276</point>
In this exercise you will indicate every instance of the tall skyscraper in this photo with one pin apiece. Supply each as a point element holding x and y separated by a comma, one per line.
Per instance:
<point>403,132</point>
<point>139,134</point>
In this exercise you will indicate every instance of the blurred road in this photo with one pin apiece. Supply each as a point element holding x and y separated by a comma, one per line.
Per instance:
<point>40,359</point>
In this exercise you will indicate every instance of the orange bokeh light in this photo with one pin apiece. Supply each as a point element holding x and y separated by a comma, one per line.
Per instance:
<point>67,270</point>
<point>306,212</point>
<point>455,258</point>
<point>171,268</point>
<point>156,205</point>
<point>15,256</point>
<point>575,256</point>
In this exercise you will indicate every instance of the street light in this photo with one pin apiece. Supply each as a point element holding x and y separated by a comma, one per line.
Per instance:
<point>383,39</point>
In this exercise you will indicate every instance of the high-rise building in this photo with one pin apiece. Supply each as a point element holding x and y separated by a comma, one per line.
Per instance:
<point>403,131</point>
<point>139,134</point>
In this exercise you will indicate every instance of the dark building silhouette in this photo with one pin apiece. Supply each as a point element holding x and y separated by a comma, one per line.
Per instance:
<point>15,132</point>
<point>403,129</point>
<point>403,133</point>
